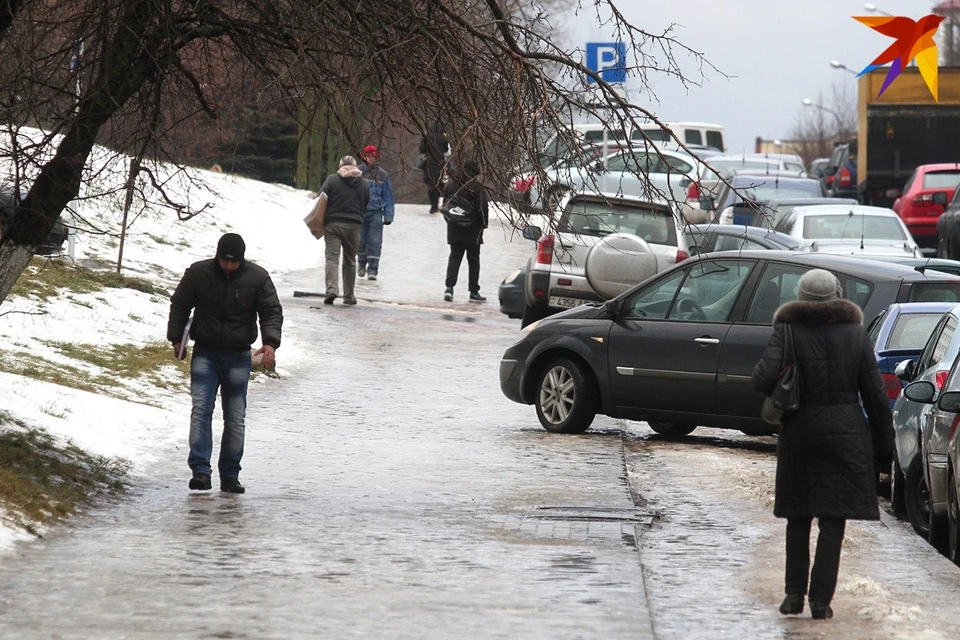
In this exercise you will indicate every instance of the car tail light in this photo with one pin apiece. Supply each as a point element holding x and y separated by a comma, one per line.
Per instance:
<point>693,191</point>
<point>846,179</point>
<point>923,200</point>
<point>830,179</point>
<point>892,384</point>
<point>523,184</point>
<point>940,378</point>
<point>682,255</point>
<point>545,250</point>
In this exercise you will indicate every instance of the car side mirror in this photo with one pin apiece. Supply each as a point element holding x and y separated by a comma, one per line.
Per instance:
<point>694,250</point>
<point>920,391</point>
<point>612,307</point>
<point>706,203</point>
<point>906,370</point>
<point>949,401</point>
<point>598,168</point>
<point>532,232</point>
<point>940,197</point>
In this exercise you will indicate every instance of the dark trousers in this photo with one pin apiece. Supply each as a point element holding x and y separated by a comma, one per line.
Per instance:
<point>434,195</point>
<point>826,564</point>
<point>473,263</point>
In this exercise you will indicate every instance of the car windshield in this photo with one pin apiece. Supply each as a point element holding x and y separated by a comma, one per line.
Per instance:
<point>941,179</point>
<point>911,330</point>
<point>761,188</point>
<point>934,292</point>
<point>852,226</point>
<point>589,218</point>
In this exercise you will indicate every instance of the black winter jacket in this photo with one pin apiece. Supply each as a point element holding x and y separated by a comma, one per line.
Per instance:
<point>225,309</point>
<point>827,449</point>
<point>348,194</point>
<point>435,146</point>
<point>475,196</point>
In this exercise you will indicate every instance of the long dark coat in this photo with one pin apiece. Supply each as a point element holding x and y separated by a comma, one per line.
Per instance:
<point>475,195</point>
<point>434,145</point>
<point>827,449</point>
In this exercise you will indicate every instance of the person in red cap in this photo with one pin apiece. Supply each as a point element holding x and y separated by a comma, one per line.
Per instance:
<point>379,212</point>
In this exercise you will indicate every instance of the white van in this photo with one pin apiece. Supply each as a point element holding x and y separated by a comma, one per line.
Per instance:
<point>695,133</point>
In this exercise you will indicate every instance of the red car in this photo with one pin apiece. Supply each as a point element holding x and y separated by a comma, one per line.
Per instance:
<point>920,205</point>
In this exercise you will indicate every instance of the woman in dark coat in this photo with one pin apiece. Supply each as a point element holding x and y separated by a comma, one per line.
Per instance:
<point>434,146</point>
<point>465,190</point>
<point>827,450</point>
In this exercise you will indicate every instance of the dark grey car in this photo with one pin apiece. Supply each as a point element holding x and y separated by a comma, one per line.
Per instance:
<point>678,350</point>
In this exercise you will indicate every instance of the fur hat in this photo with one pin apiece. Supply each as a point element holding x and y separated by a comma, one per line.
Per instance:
<point>348,161</point>
<point>231,247</point>
<point>819,285</point>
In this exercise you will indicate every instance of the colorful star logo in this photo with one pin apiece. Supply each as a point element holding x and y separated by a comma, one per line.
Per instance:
<point>914,40</point>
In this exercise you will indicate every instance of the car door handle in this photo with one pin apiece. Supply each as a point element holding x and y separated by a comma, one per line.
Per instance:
<point>707,340</point>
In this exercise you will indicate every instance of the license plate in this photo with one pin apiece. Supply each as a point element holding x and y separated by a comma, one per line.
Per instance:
<point>566,303</point>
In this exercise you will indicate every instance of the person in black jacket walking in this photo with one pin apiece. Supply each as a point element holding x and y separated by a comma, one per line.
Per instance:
<point>828,453</point>
<point>226,294</point>
<point>434,146</point>
<point>466,191</point>
<point>347,197</point>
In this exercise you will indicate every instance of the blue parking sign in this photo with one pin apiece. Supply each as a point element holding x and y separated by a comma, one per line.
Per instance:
<point>608,60</point>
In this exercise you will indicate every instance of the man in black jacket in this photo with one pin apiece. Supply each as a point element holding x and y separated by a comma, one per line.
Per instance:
<point>226,294</point>
<point>347,197</point>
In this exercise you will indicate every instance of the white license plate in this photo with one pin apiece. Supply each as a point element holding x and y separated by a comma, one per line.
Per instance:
<point>566,303</point>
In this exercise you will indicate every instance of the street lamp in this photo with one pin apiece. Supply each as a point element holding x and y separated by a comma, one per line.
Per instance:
<point>872,8</point>
<point>807,102</point>
<point>836,64</point>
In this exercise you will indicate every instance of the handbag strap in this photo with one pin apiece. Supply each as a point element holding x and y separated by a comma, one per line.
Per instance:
<point>789,355</point>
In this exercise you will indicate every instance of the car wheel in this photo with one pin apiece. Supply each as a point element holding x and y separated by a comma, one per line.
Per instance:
<point>565,397</point>
<point>554,196</point>
<point>953,521</point>
<point>916,497</point>
<point>672,429</point>
<point>896,488</point>
<point>532,314</point>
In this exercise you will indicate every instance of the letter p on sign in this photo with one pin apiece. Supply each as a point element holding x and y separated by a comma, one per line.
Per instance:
<point>608,60</point>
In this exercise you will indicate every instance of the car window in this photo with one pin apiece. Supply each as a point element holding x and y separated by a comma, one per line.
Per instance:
<point>653,302</point>
<point>672,165</point>
<point>736,243</point>
<point>943,341</point>
<point>793,166</point>
<point>926,357</point>
<point>631,162</point>
<point>592,218</point>
<point>715,139</point>
<point>785,225</point>
<point>692,136</point>
<point>941,179</point>
<point>597,136</point>
<point>699,241</point>
<point>855,290</point>
<point>761,188</point>
<point>777,286</point>
<point>852,227</point>
<point>873,331</point>
<point>911,330</point>
<point>934,292</point>
<point>710,290</point>
<point>655,134</point>
<point>910,181</point>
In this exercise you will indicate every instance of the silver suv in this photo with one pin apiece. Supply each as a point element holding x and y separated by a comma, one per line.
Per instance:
<point>603,245</point>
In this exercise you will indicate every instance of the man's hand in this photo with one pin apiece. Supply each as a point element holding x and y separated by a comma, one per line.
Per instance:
<point>176,351</point>
<point>386,222</point>
<point>269,360</point>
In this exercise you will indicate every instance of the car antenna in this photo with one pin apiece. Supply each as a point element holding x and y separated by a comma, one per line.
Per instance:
<point>863,224</point>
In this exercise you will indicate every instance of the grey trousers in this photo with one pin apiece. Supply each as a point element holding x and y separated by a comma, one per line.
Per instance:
<point>345,236</point>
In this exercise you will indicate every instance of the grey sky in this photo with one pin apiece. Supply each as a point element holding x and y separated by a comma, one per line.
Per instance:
<point>775,54</point>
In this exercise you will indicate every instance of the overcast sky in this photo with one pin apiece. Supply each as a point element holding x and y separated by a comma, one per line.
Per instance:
<point>775,54</point>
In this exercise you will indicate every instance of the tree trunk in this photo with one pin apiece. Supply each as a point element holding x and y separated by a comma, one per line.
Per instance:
<point>14,259</point>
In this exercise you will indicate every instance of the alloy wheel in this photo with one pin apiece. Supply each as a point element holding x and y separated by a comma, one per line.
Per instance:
<point>557,394</point>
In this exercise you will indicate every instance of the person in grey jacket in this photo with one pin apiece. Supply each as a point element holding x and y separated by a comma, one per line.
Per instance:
<point>225,294</point>
<point>828,451</point>
<point>379,213</point>
<point>347,197</point>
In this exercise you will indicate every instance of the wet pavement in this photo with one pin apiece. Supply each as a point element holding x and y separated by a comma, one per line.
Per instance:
<point>393,492</point>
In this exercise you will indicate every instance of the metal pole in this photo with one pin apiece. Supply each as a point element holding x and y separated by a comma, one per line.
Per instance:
<point>76,65</point>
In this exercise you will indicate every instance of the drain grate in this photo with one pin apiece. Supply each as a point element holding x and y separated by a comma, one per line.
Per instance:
<point>593,524</point>
<point>593,514</point>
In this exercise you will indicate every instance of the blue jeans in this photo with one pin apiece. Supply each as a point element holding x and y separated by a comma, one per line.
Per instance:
<point>371,241</point>
<point>229,371</point>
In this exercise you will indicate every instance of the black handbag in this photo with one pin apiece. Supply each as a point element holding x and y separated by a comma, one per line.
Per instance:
<point>457,212</point>
<point>785,397</point>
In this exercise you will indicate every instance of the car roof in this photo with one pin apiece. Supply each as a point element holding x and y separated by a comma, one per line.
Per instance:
<point>867,269</point>
<point>777,173</point>
<point>843,210</point>
<point>924,168</point>
<point>920,307</point>
<point>785,180</point>
<point>774,202</point>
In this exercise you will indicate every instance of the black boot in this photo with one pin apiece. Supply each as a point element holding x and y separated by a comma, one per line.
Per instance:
<point>231,485</point>
<point>792,604</point>
<point>200,482</point>
<point>820,611</point>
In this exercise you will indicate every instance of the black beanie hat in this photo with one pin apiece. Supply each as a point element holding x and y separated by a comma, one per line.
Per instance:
<point>231,247</point>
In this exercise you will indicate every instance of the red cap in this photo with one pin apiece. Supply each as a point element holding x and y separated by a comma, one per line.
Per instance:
<point>371,150</point>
